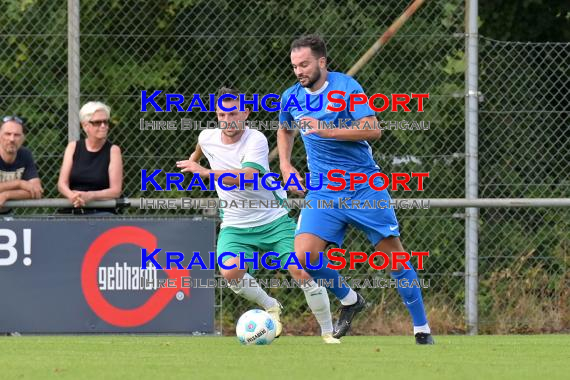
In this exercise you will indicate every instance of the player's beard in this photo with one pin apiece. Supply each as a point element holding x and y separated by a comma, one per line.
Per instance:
<point>312,79</point>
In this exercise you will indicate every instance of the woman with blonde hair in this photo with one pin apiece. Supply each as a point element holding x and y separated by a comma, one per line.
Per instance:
<point>92,168</point>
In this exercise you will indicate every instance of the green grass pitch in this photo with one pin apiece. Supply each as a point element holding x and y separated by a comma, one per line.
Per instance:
<point>380,357</point>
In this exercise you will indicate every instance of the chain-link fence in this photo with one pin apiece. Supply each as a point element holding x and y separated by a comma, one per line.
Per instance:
<point>192,46</point>
<point>524,152</point>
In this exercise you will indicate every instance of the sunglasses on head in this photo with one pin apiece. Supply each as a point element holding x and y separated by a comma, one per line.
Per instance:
<point>18,120</point>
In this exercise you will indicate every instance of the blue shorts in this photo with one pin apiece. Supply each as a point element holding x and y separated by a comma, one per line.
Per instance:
<point>330,223</point>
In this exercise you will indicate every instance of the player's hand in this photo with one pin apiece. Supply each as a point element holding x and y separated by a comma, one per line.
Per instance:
<point>186,166</point>
<point>288,171</point>
<point>2,199</point>
<point>314,127</point>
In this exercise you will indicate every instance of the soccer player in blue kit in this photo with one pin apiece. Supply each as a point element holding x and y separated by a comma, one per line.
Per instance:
<point>344,148</point>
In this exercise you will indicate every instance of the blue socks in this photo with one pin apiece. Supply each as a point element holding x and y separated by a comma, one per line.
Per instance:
<point>411,295</point>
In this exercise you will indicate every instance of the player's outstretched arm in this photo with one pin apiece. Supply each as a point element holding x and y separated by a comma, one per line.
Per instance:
<point>197,154</point>
<point>367,128</point>
<point>248,175</point>
<point>191,165</point>
<point>285,141</point>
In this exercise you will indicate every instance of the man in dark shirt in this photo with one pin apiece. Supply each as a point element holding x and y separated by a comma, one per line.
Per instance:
<point>18,174</point>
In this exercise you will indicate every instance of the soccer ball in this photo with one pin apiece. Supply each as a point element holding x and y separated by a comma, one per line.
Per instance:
<point>255,327</point>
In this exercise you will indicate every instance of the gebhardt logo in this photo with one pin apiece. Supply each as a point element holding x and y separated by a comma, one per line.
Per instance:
<point>123,276</point>
<point>91,286</point>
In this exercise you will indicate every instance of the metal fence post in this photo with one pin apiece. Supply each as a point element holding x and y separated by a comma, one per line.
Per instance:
<point>73,69</point>
<point>471,167</point>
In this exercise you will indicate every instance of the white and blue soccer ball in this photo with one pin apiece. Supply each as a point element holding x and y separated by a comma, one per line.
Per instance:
<point>255,327</point>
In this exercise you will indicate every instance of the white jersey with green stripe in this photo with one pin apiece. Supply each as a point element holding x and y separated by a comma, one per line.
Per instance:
<point>251,150</point>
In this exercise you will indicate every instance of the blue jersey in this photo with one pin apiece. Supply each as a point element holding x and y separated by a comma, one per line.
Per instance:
<point>324,154</point>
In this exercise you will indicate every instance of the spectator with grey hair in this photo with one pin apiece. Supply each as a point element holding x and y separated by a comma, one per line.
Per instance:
<point>92,168</point>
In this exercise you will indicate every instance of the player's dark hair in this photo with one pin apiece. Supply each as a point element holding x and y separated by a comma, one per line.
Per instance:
<point>228,90</point>
<point>231,90</point>
<point>312,41</point>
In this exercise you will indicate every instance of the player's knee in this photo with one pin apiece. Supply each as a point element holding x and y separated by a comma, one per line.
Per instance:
<point>298,273</point>
<point>315,256</point>
<point>308,255</point>
<point>301,258</point>
<point>307,247</point>
<point>232,274</point>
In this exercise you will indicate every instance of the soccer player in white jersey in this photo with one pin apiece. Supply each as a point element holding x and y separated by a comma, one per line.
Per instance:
<point>242,150</point>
